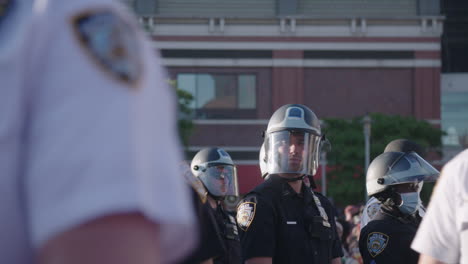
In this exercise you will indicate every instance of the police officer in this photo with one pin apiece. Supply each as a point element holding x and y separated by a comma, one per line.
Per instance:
<point>281,220</point>
<point>85,164</point>
<point>210,243</point>
<point>216,170</point>
<point>393,179</point>
<point>443,235</point>
<point>373,205</point>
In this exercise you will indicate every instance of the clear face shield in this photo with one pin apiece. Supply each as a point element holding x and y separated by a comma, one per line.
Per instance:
<point>292,153</point>
<point>410,168</point>
<point>221,180</point>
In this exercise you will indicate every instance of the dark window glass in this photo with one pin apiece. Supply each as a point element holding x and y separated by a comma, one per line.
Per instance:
<point>217,95</point>
<point>455,117</point>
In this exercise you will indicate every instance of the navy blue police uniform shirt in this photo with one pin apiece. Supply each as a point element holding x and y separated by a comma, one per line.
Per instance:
<point>387,239</point>
<point>274,221</point>
<point>228,232</point>
<point>210,244</point>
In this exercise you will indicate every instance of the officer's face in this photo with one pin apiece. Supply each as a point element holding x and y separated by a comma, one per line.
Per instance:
<point>407,187</point>
<point>294,150</point>
<point>222,180</point>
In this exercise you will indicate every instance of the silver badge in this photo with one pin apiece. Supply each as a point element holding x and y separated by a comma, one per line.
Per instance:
<point>372,210</point>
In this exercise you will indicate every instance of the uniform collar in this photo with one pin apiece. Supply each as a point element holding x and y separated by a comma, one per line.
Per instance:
<point>283,186</point>
<point>305,194</point>
<point>393,212</point>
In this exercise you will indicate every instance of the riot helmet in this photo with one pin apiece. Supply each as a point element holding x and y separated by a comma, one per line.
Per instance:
<point>406,145</point>
<point>215,168</point>
<point>292,142</point>
<point>394,177</point>
<point>262,162</point>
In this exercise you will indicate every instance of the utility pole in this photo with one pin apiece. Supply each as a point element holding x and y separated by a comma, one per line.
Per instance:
<point>367,122</point>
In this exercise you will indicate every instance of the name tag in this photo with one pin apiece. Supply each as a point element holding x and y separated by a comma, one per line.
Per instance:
<point>291,222</point>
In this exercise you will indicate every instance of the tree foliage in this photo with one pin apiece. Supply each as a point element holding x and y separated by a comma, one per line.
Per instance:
<point>185,123</point>
<point>345,172</point>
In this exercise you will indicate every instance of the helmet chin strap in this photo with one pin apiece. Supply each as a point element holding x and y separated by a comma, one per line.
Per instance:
<point>217,198</point>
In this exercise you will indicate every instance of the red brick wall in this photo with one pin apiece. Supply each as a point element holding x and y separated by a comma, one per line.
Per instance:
<point>346,93</point>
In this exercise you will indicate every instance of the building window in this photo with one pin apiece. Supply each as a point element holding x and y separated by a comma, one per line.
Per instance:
<point>455,118</point>
<point>454,103</point>
<point>220,95</point>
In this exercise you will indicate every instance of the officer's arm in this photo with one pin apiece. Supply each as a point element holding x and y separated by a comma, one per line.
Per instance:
<point>336,261</point>
<point>89,197</point>
<point>426,259</point>
<point>263,260</point>
<point>118,239</point>
<point>208,261</point>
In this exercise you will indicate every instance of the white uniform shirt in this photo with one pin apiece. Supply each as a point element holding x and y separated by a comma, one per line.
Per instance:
<point>443,233</point>
<point>80,139</point>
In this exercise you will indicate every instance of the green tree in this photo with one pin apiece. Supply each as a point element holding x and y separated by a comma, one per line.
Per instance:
<point>346,178</point>
<point>185,123</point>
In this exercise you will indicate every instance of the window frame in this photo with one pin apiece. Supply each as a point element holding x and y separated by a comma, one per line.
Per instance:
<point>262,90</point>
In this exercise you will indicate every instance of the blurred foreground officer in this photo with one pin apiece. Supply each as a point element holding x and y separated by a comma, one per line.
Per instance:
<point>373,205</point>
<point>282,220</point>
<point>215,169</point>
<point>443,235</point>
<point>210,243</point>
<point>393,179</point>
<point>88,152</point>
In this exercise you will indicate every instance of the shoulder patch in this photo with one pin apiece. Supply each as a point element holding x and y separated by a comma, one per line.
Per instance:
<point>245,214</point>
<point>376,243</point>
<point>111,42</point>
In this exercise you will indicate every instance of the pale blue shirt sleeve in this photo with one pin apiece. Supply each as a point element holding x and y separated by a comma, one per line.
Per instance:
<point>99,144</point>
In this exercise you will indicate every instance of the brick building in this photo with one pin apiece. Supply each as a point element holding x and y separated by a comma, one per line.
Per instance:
<point>243,59</point>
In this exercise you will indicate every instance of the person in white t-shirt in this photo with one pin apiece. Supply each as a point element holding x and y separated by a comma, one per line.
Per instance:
<point>443,234</point>
<point>88,147</point>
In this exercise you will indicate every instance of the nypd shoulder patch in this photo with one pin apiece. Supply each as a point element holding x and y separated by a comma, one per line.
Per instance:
<point>376,243</point>
<point>245,214</point>
<point>111,42</point>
